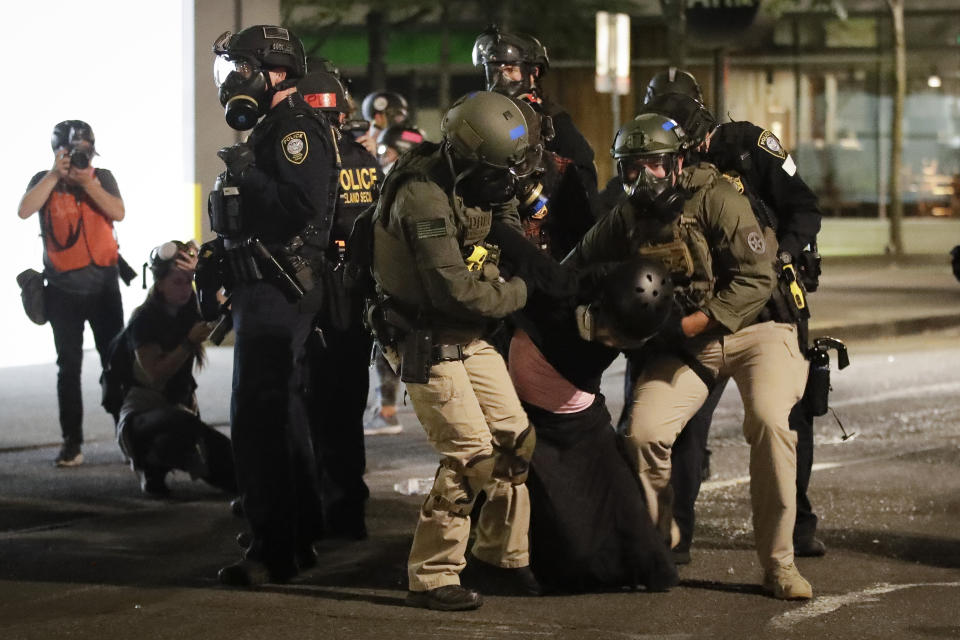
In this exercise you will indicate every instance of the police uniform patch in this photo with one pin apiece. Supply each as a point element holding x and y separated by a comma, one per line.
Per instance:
<point>769,143</point>
<point>295,147</point>
<point>756,242</point>
<point>434,228</point>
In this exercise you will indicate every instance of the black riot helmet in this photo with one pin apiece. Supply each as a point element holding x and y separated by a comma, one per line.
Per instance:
<point>494,48</point>
<point>491,140</point>
<point>400,138</point>
<point>324,92</point>
<point>635,300</point>
<point>649,141</point>
<point>392,105</point>
<point>673,80</point>
<point>240,70</point>
<point>676,94</point>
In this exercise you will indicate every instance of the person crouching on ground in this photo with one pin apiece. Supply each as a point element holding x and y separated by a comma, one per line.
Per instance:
<point>160,427</point>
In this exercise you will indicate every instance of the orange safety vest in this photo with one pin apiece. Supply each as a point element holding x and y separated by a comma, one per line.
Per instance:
<point>75,234</point>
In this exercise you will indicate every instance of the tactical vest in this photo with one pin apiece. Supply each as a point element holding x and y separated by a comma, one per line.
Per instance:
<point>75,235</point>
<point>683,248</point>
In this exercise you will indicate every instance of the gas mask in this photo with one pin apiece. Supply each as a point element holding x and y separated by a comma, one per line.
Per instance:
<point>483,186</point>
<point>660,197</point>
<point>244,91</point>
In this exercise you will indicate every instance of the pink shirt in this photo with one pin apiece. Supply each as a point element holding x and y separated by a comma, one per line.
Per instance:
<point>538,383</point>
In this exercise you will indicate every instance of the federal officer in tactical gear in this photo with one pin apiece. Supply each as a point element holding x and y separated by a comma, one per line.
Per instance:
<point>440,289</point>
<point>514,64</point>
<point>339,350</point>
<point>276,240</point>
<point>722,264</point>
<point>767,174</point>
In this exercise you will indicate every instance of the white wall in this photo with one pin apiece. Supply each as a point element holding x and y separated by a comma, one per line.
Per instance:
<point>125,68</point>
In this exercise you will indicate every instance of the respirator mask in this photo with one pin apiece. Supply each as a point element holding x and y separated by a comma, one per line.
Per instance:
<point>660,197</point>
<point>244,91</point>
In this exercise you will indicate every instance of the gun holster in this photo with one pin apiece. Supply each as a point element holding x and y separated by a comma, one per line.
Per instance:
<point>416,356</point>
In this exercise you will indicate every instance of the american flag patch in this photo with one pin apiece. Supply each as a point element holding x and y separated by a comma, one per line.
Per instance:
<point>434,228</point>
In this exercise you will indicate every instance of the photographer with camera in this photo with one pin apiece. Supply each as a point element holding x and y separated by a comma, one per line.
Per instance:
<point>159,425</point>
<point>78,205</point>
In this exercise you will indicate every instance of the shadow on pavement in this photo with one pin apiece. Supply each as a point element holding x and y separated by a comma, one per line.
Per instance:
<point>928,550</point>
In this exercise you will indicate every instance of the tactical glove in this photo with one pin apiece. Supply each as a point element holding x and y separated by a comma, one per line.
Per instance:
<point>238,159</point>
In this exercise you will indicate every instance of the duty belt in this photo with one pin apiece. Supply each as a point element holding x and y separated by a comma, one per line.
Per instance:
<point>447,353</point>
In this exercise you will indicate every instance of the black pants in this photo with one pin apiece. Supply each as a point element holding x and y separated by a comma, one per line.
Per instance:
<point>159,440</point>
<point>273,453</point>
<point>67,313</point>
<point>690,448</point>
<point>339,361</point>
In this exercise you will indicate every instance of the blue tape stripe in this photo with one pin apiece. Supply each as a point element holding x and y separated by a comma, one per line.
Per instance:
<point>517,131</point>
<point>667,126</point>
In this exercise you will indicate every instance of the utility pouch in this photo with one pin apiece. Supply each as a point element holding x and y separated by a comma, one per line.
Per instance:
<point>675,256</point>
<point>808,268</point>
<point>416,356</point>
<point>817,394</point>
<point>223,208</point>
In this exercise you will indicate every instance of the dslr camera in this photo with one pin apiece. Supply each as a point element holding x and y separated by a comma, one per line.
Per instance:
<point>80,157</point>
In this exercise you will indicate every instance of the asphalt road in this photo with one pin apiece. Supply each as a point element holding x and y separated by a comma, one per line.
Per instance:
<point>82,555</point>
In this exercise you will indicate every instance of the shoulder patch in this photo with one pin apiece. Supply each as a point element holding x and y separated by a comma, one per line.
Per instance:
<point>433,228</point>
<point>771,144</point>
<point>756,241</point>
<point>295,147</point>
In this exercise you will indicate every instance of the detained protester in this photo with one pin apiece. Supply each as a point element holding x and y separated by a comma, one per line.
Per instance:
<point>160,427</point>
<point>721,262</point>
<point>78,206</point>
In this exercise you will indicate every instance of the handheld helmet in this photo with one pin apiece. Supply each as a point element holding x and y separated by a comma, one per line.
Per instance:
<point>240,67</point>
<point>163,258</point>
<point>494,48</point>
<point>392,105</point>
<point>324,92</point>
<point>649,141</point>
<point>635,300</point>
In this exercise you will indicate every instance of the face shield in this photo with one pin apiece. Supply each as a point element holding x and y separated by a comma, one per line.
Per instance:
<point>650,181</point>
<point>509,77</point>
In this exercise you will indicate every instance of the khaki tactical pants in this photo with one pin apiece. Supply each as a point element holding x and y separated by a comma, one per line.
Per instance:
<point>765,361</point>
<point>474,419</point>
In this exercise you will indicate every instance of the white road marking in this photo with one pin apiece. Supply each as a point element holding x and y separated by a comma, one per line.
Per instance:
<point>828,604</point>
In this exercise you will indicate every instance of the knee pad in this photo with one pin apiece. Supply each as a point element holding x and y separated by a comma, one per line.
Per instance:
<point>451,490</point>
<point>512,455</point>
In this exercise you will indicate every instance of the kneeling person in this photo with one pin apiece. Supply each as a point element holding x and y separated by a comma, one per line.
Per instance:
<point>160,427</point>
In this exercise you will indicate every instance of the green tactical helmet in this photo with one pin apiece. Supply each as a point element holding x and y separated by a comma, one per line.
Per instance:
<point>491,129</point>
<point>648,134</point>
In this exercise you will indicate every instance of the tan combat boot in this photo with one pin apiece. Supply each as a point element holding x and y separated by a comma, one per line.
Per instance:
<point>786,583</point>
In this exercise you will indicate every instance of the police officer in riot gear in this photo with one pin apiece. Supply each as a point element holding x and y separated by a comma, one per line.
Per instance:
<point>339,351</point>
<point>440,289</point>
<point>395,141</point>
<point>286,177</point>
<point>768,175</point>
<point>557,208</point>
<point>722,264</point>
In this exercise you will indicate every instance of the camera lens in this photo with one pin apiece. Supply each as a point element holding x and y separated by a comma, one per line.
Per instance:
<point>80,158</point>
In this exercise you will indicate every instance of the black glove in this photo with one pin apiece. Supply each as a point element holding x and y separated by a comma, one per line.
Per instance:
<point>671,332</point>
<point>955,262</point>
<point>238,159</point>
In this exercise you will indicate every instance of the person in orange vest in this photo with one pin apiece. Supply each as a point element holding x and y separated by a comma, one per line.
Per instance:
<point>78,205</point>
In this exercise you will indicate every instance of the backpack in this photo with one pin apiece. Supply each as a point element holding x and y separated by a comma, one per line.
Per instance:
<point>117,376</point>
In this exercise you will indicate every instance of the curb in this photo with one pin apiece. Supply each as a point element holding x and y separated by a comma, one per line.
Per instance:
<point>888,328</point>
